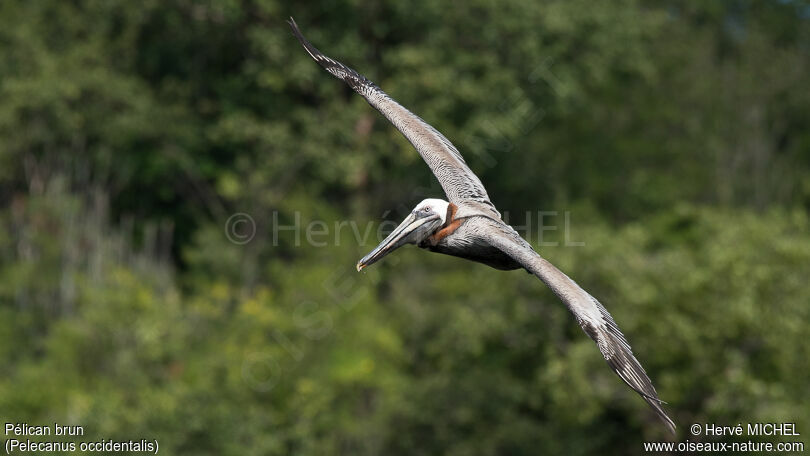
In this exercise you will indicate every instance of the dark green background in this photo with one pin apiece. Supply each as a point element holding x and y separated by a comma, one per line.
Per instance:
<point>674,134</point>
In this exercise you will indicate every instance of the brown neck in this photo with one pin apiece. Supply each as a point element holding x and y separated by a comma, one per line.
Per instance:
<point>451,224</point>
<point>451,214</point>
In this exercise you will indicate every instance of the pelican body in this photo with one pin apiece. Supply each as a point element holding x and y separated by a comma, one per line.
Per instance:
<point>469,226</point>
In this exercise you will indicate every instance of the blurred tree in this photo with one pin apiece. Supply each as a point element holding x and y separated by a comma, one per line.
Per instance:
<point>676,135</point>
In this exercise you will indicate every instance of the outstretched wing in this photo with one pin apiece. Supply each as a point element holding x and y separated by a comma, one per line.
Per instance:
<point>589,313</point>
<point>458,181</point>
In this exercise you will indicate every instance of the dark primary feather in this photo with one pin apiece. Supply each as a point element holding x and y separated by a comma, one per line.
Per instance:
<point>459,183</point>
<point>591,315</point>
<point>354,79</point>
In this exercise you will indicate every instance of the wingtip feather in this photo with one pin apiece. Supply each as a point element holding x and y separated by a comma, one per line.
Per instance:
<point>621,360</point>
<point>670,425</point>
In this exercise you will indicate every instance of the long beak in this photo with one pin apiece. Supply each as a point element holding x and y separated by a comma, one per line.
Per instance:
<point>395,240</point>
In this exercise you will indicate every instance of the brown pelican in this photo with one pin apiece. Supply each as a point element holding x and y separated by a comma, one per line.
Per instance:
<point>469,226</point>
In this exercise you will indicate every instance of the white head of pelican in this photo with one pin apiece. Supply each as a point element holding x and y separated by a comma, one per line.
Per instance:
<point>423,221</point>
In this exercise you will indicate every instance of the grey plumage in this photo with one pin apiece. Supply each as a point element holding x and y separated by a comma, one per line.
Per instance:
<point>473,229</point>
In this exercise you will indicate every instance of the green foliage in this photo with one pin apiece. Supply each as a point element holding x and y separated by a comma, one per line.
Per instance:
<point>674,134</point>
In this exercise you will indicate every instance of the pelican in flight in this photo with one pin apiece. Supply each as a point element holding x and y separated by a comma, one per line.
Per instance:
<point>469,226</point>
